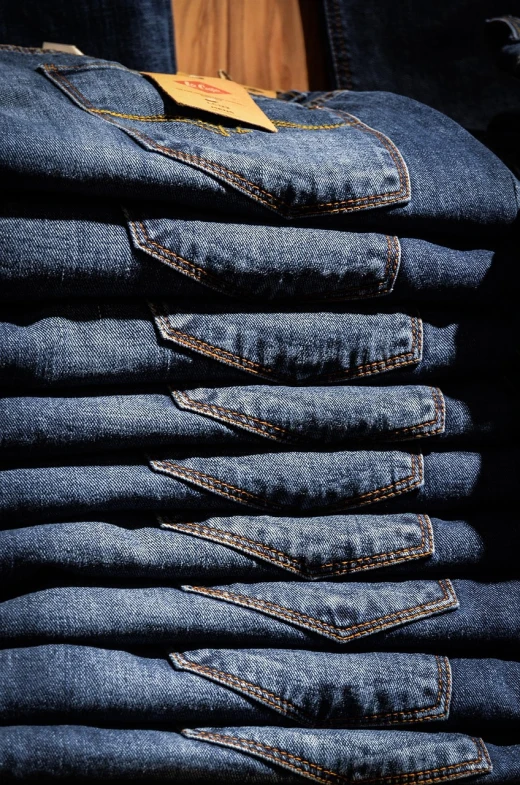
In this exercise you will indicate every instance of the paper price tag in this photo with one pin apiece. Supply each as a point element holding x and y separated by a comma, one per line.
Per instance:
<point>212,94</point>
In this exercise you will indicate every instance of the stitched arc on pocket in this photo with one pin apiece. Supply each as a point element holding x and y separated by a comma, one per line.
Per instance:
<point>340,603</point>
<point>320,348</point>
<point>351,757</point>
<point>265,261</point>
<point>251,165</point>
<point>267,477</point>
<point>335,690</point>
<point>325,416</point>
<point>311,548</point>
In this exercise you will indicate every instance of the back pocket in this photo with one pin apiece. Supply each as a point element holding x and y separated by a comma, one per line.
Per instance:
<point>331,690</point>
<point>329,415</point>
<point>300,348</point>
<point>319,548</point>
<point>341,612</point>
<point>364,757</point>
<point>318,162</point>
<point>268,262</point>
<point>300,482</point>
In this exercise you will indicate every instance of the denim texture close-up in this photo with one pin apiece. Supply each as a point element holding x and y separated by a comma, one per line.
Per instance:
<point>258,409</point>
<point>371,158</point>
<point>261,547</point>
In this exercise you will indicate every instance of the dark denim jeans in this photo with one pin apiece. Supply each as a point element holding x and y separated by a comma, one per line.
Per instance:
<point>288,417</point>
<point>261,548</point>
<point>80,684</point>
<point>281,483</point>
<point>131,342</point>
<point>256,755</point>
<point>436,53</point>
<point>376,159</point>
<point>81,248</point>
<point>139,33</point>
<point>456,617</point>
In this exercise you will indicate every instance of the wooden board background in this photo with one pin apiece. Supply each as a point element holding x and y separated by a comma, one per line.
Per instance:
<point>275,44</point>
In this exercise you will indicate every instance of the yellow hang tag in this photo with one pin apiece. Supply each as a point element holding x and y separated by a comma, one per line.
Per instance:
<point>211,94</point>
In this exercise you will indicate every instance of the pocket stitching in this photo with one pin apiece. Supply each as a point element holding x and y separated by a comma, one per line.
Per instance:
<point>277,754</point>
<point>237,418</point>
<point>383,286</point>
<point>251,366</point>
<point>204,480</point>
<point>402,193</point>
<point>448,600</point>
<point>297,565</point>
<point>288,708</point>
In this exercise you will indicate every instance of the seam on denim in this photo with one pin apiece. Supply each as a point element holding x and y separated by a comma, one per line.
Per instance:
<point>278,433</point>
<point>227,357</point>
<point>315,771</point>
<point>215,127</point>
<point>395,488</point>
<point>166,255</point>
<point>222,413</point>
<point>289,709</point>
<point>296,564</point>
<point>448,600</point>
<point>337,39</point>
<point>253,189</point>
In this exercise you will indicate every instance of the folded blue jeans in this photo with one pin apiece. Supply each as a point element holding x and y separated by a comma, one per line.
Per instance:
<point>289,417</point>
<point>76,124</point>
<point>456,617</point>
<point>257,755</point>
<point>131,342</point>
<point>85,248</point>
<point>281,483</point>
<point>66,683</point>
<point>262,548</point>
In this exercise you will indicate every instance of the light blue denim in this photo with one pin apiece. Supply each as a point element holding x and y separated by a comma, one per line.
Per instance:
<point>287,417</point>
<point>256,755</point>
<point>130,342</point>
<point>86,685</point>
<point>173,549</point>
<point>458,617</point>
<point>281,483</point>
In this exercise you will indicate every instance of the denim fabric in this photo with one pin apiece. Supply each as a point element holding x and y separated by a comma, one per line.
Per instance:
<point>301,483</point>
<point>262,415</point>
<point>262,548</point>
<point>256,755</point>
<point>131,342</point>
<point>458,618</point>
<point>65,683</point>
<point>83,248</point>
<point>436,53</point>
<point>139,33</point>
<point>101,128</point>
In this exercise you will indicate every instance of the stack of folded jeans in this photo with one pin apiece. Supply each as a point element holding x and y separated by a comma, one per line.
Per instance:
<point>258,447</point>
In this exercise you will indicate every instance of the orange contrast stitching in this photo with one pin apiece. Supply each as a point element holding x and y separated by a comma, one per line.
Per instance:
<point>222,413</point>
<point>402,716</point>
<point>448,600</point>
<point>168,256</point>
<point>296,564</point>
<point>236,360</point>
<point>274,753</point>
<point>215,484</point>
<point>402,193</point>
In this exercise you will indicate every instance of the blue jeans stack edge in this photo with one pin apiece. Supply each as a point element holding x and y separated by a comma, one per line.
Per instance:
<point>259,446</point>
